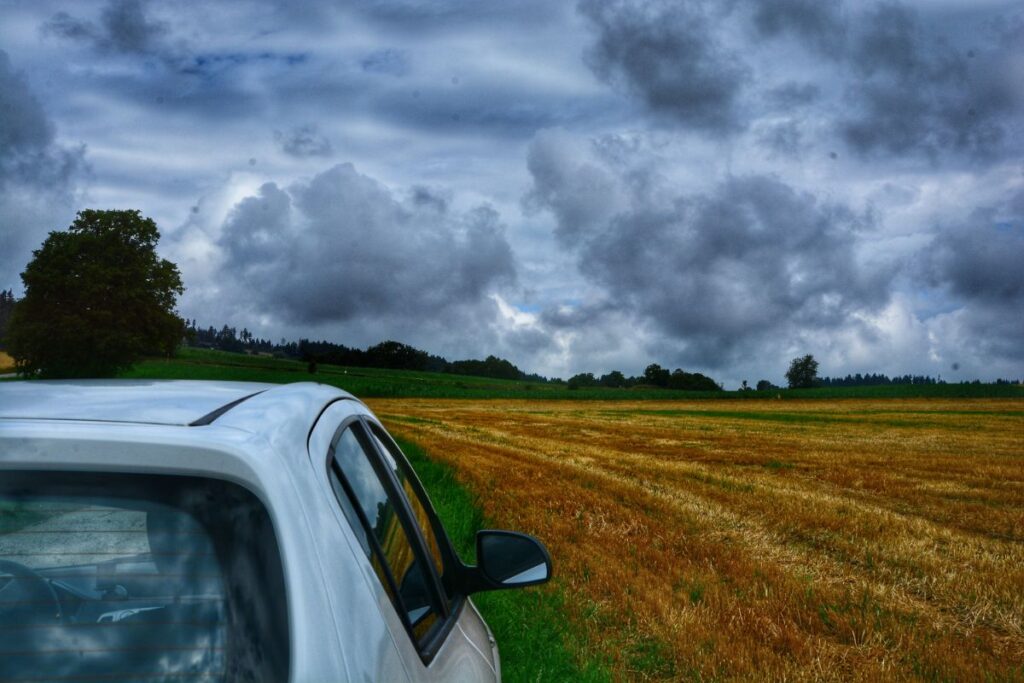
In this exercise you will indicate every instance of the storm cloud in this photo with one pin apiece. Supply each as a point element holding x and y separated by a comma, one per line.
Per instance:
<point>887,79</point>
<point>717,271</point>
<point>667,54</point>
<point>914,92</point>
<point>342,246</point>
<point>818,22</point>
<point>37,175</point>
<point>714,184</point>
<point>979,262</point>
<point>303,141</point>
<point>123,27</point>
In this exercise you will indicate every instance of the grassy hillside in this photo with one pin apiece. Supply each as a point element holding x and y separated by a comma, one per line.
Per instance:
<point>381,383</point>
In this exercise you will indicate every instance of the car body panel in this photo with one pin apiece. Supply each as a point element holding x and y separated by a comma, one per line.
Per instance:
<point>216,453</point>
<point>342,624</point>
<point>139,401</point>
<point>454,661</point>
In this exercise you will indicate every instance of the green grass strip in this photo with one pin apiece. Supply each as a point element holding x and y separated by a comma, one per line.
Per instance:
<point>384,383</point>
<point>531,628</point>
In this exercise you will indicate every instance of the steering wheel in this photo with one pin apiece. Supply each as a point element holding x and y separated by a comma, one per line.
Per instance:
<point>30,583</point>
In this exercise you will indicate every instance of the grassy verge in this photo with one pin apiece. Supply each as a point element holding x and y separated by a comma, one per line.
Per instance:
<point>529,624</point>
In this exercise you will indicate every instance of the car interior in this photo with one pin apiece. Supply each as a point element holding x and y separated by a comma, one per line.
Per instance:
<point>160,581</point>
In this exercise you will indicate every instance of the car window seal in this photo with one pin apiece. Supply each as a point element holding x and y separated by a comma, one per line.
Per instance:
<point>450,557</point>
<point>408,519</point>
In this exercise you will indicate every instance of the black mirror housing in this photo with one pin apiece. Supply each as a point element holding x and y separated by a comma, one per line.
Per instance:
<point>507,559</point>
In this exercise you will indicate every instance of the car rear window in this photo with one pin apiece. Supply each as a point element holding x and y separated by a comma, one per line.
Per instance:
<point>138,578</point>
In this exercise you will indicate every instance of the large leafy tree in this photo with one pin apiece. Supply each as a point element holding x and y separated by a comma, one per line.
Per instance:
<point>802,373</point>
<point>97,298</point>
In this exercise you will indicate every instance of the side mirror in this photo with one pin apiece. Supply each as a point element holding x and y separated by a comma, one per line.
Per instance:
<point>507,559</point>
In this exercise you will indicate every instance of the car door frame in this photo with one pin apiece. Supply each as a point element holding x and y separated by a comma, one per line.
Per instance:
<point>449,612</point>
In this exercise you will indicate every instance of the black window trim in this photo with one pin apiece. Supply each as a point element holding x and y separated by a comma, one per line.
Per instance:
<point>447,614</point>
<point>449,557</point>
<point>453,566</point>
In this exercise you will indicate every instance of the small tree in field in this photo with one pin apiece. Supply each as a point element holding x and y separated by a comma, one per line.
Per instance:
<point>802,373</point>
<point>97,298</point>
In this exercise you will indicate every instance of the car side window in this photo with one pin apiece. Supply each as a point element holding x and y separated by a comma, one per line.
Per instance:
<point>389,545</point>
<point>428,524</point>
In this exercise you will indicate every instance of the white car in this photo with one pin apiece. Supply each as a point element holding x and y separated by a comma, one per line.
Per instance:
<point>222,531</point>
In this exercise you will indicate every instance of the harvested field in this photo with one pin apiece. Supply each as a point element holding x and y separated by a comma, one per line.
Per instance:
<point>796,540</point>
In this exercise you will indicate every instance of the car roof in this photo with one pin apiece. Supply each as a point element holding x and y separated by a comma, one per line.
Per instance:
<point>162,402</point>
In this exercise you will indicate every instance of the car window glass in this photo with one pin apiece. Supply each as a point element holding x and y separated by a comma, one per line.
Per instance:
<point>394,560</point>
<point>131,577</point>
<point>418,506</point>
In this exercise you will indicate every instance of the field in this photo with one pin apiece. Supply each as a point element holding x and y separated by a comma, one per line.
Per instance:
<point>791,540</point>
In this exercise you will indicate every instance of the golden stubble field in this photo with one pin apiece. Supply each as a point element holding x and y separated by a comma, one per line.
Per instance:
<point>786,540</point>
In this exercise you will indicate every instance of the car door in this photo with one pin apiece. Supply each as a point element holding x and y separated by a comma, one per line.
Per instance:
<point>399,543</point>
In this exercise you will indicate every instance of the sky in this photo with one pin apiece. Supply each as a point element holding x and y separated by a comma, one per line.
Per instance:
<point>575,186</point>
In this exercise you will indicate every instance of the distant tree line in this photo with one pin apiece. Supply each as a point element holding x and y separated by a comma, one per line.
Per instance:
<point>654,375</point>
<point>230,339</point>
<point>391,355</point>
<point>395,355</point>
<point>859,380</point>
<point>803,374</point>
<point>398,356</point>
<point>872,380</point>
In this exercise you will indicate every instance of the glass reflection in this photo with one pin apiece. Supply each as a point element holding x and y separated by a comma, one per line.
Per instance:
<point>128,577</point>
<point>385,525</point>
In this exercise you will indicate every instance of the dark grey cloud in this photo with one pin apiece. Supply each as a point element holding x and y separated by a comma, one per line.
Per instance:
<point>784,139</point>
<point>123,27</point>
<point>387,61</point>
<point>429,197</point>
<point>898,85</point>
<point>717,272</point>
<point>167,72</point>
<point>792,94</point>
<point>303,141</point>
<point>817,22</point>
<point>979,262</point>
<point>913,86</point>
<point>659,237</point>
<point>494,108</point>
<point>37,175</point>
<point>668,54</point>
<point>342,247</point>
<point>26,129</point>
<point>913,92</point>
<point>446,15</point>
